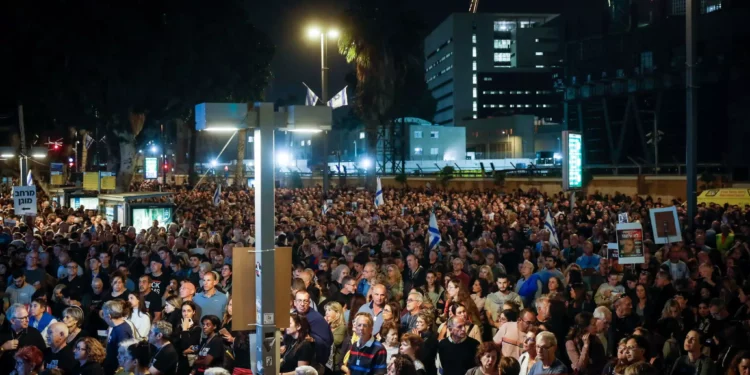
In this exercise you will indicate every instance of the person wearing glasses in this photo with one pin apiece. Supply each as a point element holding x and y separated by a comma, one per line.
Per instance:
<point>413,307</point>
<point>18,336</point>
<point>319,328</point>
<point>75,279</point>
<point>547,363</point>
<point>510,335</point>
<point>636,350</point>
<point>90,354</point>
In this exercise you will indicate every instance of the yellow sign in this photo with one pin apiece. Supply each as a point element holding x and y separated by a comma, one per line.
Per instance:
<point>57,179</point>
<point>109,182</point>
<point>91,181</point>
<point>739,197</point>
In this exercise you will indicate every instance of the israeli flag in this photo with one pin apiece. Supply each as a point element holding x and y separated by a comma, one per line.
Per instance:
<point>550,226</point>
<point>434,233</point>
<point>310,99</point>
<point>379,201</point>
<point>325,209</point>
<point>339,100</point>
<point>29,179</point>
<point>217,195</point>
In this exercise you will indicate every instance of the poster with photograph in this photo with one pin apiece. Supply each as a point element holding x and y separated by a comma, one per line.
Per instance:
<point>612,250</point>
<point>665,224</point>
<point>630,243</point>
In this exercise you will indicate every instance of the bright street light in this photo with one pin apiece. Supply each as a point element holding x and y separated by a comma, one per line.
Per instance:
<point>154,149</point>
<point>333,33</point>
<point>283,158</point>
<point>366,163</point>
<point>313,32</point>
<point>214,163</point>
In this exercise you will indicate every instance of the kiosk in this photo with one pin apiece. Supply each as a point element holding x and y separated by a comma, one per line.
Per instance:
<point>133,209</point>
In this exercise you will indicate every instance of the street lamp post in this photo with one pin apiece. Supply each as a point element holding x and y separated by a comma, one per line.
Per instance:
<point>315,32</point>
<point>262,120</point>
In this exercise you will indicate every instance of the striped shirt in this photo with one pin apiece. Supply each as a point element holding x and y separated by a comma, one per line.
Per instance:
<point>369,359</point>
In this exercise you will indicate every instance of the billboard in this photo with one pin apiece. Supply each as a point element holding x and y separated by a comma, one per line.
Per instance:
<point>143,217</point>
<point>572,144</point>
<point>150,168</point>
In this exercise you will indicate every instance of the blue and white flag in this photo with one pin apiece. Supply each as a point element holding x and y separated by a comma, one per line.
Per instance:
<point>310,99</point>
<point>29,179</point>
<point>325,209</point>
<point>217,195</point>
<point>339,100</point>
<point>379,201</point>
<point>549,225</point>
<point>434,233</point>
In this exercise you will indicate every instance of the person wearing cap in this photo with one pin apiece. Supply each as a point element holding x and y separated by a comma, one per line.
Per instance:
<point>159,279</point>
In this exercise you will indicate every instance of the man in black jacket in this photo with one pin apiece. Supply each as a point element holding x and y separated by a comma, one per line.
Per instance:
<point>19,336</point>
<point>623,322</point>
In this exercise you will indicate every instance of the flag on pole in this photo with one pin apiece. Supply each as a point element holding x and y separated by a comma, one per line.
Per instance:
<point>434,233</point>
<point>310,98</point>
<point>88,141</point>
<point>29,179</point>
<point>325,209</point>
<point>550,226</point>
<point>217,195</point>
<point>379,201</point>
<point>339,100</point>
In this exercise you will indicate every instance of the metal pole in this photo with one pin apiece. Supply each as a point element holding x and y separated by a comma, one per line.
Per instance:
<point>324,99</point>
<point>656,144</point>
<point>355,151</point>
<point>267,336</point>
<point>23,161</point>
<point>691,115</point>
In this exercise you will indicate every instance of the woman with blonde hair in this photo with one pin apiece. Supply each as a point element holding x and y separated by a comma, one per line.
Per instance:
<point>334,315</point>
<point>485,272</point>
<point>172,308</point>
<point>394,282</point>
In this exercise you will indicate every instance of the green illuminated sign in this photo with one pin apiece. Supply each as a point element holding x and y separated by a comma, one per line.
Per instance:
<point>572,160</point>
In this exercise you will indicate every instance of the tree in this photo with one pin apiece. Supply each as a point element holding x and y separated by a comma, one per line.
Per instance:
<point>384,41</point>
<point>126,68</point>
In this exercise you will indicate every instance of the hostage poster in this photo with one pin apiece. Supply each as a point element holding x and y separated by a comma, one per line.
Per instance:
<point>630,243</point>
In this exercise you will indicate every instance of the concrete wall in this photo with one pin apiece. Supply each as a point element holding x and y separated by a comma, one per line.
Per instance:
<point>664,187</point>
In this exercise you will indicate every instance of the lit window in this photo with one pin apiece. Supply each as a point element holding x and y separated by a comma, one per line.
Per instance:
<point>474,117</point>
<point>474,79</point>
<point>434,151</point>
<point>417,134</point>
<point>474,93</point>
<point>302,143</point>
<point>540,66</point>
<point>504,25</point>
<point>488,78</point>
<point>474,38</point>
<point>435,134</point>
<point>536,40</point>
<point>418,151</point>
<point>540,53</point>
<point>309,142</point>
<point>502,43</point>
<point>474,106</point>
<point>502,57</point>
<point>474,66</point>
<point>250,139</point>
<point>361,135</point>
<point>474,51</point>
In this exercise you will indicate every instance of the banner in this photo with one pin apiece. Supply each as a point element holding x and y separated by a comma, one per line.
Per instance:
<point>150,168</point>
<point>630,243</point>
<point>56,174</point>
<point>108,180</point>
<point>91,181</point>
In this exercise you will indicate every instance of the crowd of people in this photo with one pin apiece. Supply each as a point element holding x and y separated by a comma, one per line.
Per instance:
<point>374,291</point>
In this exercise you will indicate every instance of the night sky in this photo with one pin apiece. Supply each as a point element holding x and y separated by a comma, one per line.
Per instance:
<point>297,59</point>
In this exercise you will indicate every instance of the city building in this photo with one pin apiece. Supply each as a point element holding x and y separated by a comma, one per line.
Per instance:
<point>624,88</point>
<point>483,65</point>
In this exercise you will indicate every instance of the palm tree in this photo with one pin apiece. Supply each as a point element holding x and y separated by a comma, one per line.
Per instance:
<point>384,41</point>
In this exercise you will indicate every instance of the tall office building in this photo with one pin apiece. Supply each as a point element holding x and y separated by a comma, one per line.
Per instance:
<point>486,65</point>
